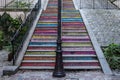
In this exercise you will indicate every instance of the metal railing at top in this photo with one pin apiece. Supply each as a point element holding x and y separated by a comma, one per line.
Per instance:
<point>97,4</point>
<point>17,4</point>
<point>21,34</point>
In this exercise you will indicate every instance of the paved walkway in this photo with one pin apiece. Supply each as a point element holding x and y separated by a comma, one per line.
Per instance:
<point>47,75</point>
<point>104,23</point>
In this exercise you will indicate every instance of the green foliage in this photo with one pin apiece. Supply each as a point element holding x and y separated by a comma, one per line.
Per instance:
<point>5,22</point>
<point>112,54</point>
<point>1,38</point>
<point>9,26</point>
<point>22,4</point>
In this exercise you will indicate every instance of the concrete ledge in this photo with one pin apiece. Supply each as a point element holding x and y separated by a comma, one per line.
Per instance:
<point>9,70</point>
<point>104,65</point>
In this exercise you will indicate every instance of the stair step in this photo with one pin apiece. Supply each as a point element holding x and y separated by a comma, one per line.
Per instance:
<point>41,49</point>
<point>46,25</point>
<point>77,44</point>
<point>43,30</point>
<point>66,67</point>
<point>37,67</point>
<point>82,67</point>
<point>82,53</point>
<point>38,64</point>
<point>63,61</point>
<point>35,40</point>
<point>74,31</point>
<point>46,53</point>
<point>39,58</point>
<point>77,49</point>
<point>75,37</point>
<point>81,64</point>
<point>48,17</point>
<point>44,37</point>
<point>72,20</point>
<point>38,61</point>
<point>73,24</point>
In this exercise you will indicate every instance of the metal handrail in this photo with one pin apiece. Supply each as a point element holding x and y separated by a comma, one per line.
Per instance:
<point>59,69</point>
<point>21,34</point>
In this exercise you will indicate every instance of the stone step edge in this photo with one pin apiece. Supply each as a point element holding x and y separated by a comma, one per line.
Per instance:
<point>66,67</point>
<point>63,55</point>
<point>66,61</point>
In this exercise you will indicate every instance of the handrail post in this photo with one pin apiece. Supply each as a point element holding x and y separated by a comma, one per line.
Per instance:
<point>59,69</point>
<point>13,52</point>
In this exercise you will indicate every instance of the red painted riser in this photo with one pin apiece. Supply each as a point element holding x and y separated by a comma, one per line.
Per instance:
<point>38,64</point>
<point>38,30</point>
<point>67,24</point>
<point>44,33</point>
<point>46,17</point>
<point>53,19</point>
<point>41,48</point>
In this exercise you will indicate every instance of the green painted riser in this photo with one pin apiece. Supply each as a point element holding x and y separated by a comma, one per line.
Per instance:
<point>41,53</point>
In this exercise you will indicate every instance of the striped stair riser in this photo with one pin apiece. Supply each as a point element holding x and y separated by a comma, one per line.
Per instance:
<point>50,30</point>
<point>42,44</point>
<point>75,34</point>
<point>40,48</point>
<point>65,53</point>
<point>47,17</point>
<point>39,58</point>
<point>47,25</point>
<point>82,64</point>
<point>79,52</point>
<point>44,37</point>
<point>41,53</point>
<point>65,64</point>
<point>53,58</point>
<point>38,64</point>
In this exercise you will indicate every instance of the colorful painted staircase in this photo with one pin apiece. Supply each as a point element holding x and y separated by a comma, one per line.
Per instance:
<point>78,51</point>
<point>77,48</point>
<point>40,53</point>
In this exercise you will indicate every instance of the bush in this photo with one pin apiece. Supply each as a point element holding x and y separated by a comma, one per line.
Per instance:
<point>112,54</point>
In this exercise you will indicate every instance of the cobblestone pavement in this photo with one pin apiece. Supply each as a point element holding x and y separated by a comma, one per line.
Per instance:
<point>104,23</point>
<point>47,75</point>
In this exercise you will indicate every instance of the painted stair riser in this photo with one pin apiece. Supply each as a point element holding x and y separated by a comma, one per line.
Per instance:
<point>42,44</point>
<point>48,17</point>
<point>41,48</point>
<point>46,14</point>
<point>73,25</point>
<point>72,48</point>
<point>41,53</point>
<point>82,64</point>
<point>39,58</point>
<point>79,52</point>
<point>38,64</point>
<point>44,37</point>
<point>64,58</point>
<point>45,33</point>
<point>76,43</point>
<point>79,58</point>
<point>38,40</point>
<point>50,30</point>
<point>65,64</point>
<point>46,25</point>
<point>75,34</point>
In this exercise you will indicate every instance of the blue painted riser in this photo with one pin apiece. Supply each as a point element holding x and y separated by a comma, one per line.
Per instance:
<point>46,25</point>
<point>79,58</point>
